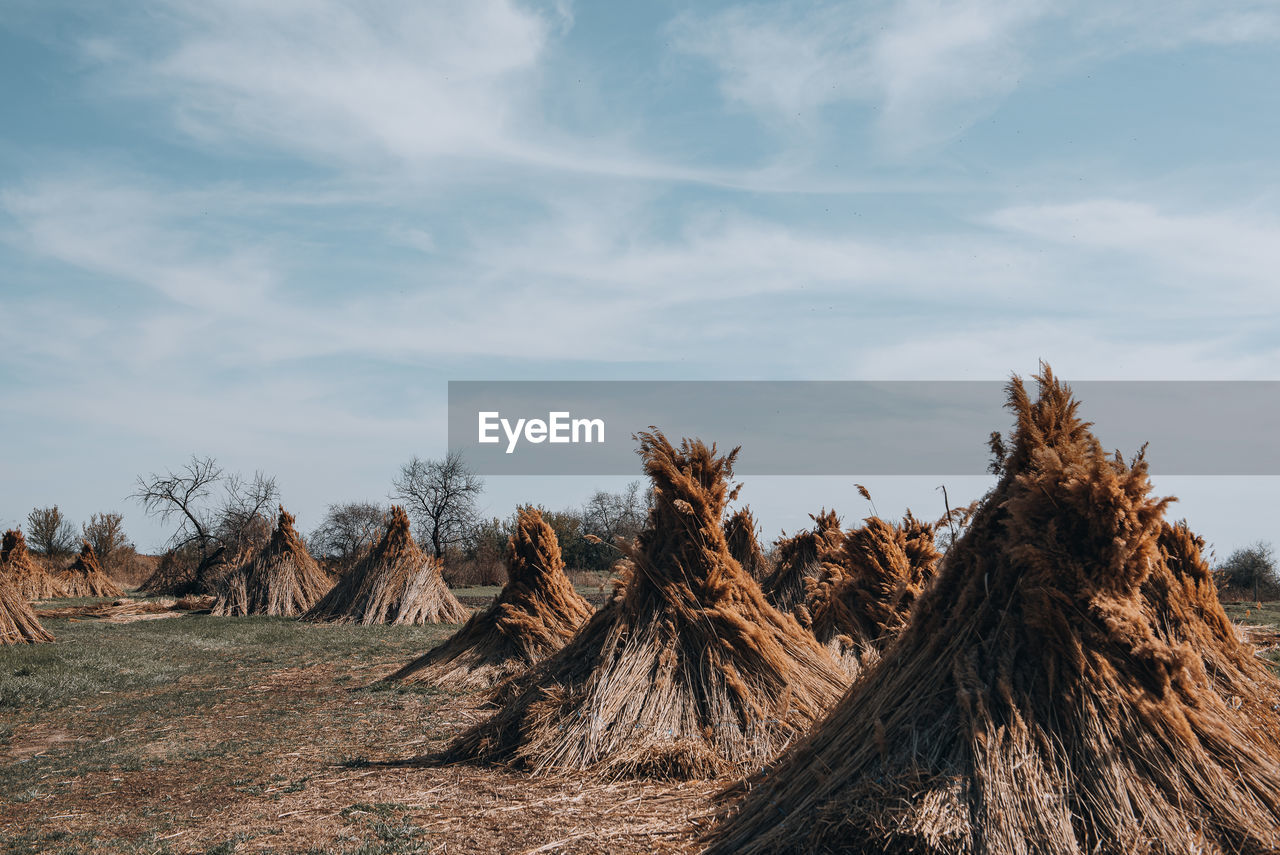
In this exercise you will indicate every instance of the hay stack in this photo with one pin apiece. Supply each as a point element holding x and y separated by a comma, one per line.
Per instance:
<point>1031,705</point>
<point>172,577</point>
<point>1182,599</point>
<point>535,615</point>
<point>740,534</point>
<point>799,560</point>
<point>863,595</point>
<point>687,672</point>
<point>18,621</point>
<point>85,576</point>
<point>29,579</point>
<point>282,579</point>
<point>395,582</point>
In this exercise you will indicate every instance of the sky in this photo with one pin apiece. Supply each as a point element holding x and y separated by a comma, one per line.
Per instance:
<point>273,232</point>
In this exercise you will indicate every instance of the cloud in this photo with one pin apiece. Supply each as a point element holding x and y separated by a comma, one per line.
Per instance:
<point>122,231</point>
<point>931,68</point>
<point>600,279</point>
<point>341,82</point>
<point>435,90</point>
<point>1228,256</point>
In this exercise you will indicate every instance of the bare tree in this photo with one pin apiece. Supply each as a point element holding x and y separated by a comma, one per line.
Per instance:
<point>217,529</point>
<point>347,530</point>
<point>441,497</point>
<point>105,533</point>
<point>50,532</point>
<point>1251,569</point>
<point>610,516</point>
<point>245,517</point>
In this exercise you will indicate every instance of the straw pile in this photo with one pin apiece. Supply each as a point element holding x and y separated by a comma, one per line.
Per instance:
<point>535,615</point>
<point>740,534</point>
<point>863,596</point>
<point>282,579</point>
<point>173,576</point>
<point>395,582</point>
<point>1184,610</point>
<point>86,578</point>
<point>18,622</point>
<point>687,672</point>
<point>1032,705</point>
<point>29,579</point>
<point>798,561</point>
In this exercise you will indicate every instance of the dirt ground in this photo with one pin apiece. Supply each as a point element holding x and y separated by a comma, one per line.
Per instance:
<point>202,734</point>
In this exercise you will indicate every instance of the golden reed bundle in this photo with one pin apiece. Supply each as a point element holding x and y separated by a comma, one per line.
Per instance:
<point>537,612</point>
<point>687,672</point>
<point>29,579</point>
<point>395,582</point>
<point>86,578</point>
<point>868,583</point>
<point>281,579</point>
<point>1035,703</point>
<point>18,621</point>
<point>798,560</point>
<point>740,535</point>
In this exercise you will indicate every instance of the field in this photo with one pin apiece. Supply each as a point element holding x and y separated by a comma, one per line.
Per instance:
<point>204,734</point>
<point>220,735</point>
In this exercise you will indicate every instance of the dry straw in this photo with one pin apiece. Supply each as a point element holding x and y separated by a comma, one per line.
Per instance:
<point>740,535</point>
<point>395,582</point>
<point>18,621</point>
<point>864,593</point>
<point>172,575</point>
<point>1035,703</point>
<point>280,579</point>
<point>687,672</point>
<point>799,559</point>
<point>535,615</point>
<point>86,578</point>
<point>29,579</point>
<point>1184,610</point>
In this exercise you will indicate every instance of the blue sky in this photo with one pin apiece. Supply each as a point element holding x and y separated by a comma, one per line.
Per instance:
<point>272,232</point>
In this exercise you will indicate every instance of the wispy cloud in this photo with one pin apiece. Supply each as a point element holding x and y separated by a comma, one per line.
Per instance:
<point>345,82</point>
<point>930,68</point>
<point>1226,256</point>
<point>605,287</point>
<point>428,90</point>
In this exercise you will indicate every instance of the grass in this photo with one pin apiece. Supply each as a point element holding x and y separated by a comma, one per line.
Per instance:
<point>92,658</point>
<point>1255,613</point>
<point>1262,614</point>
<point>203,734</point>
<point>108,703</point>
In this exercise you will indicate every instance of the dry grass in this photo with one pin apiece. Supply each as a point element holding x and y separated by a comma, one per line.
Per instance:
<point>282,579</point>
<point>740,535</point>
<point>869,582</point>
<point>395,583</point>
<point>1183,608</point>
<point>174,574</point>
<point>1034,703</point>
<point>798,561</point>
<point>28,578</point>
<point>129,610</point>
<point>537,612</point>
<point>687,672</point>
<point>86,578</point>
<point>18,623</point>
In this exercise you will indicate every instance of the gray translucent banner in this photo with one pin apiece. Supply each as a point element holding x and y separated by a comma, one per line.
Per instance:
<point>848,427</point>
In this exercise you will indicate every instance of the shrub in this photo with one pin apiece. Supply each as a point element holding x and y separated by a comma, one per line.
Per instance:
<point>1251,571</point>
